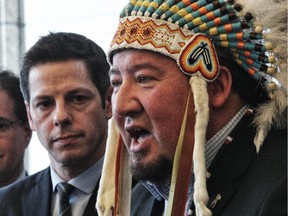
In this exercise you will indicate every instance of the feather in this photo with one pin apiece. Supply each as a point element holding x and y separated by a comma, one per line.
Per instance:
<point>271,15</point>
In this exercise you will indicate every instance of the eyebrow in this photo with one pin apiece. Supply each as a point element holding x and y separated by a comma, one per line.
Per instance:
<point>77,90</point>
<point>71,92</point>
<point>113,71</point>
<point>3,118</point>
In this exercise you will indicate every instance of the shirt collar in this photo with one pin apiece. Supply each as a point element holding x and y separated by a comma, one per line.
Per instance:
<point>83,182</point>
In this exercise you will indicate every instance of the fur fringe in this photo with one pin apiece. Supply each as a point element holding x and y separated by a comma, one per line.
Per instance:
<point>125,183</point>
<point>105,199</point>
<point>201,99</point>
<point>271,16</point>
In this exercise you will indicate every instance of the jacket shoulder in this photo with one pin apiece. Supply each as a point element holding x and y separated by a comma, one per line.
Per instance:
<point>17,197</point>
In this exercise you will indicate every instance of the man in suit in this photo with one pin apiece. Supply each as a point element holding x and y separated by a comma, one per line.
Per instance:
<point>15,133</point>
<point>64,80</point>
<point>200,102</point>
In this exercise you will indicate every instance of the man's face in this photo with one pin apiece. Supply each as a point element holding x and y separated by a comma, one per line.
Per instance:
<point>65,110</point>
<point>148,103</point>
<point>14,138</point>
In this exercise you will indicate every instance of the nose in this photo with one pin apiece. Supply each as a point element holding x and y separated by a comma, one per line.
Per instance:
<point>62,116</point>
<point>125,102</point>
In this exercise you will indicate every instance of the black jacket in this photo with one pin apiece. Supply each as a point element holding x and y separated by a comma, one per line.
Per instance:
<point>32,197</point>
<point>248,183</point>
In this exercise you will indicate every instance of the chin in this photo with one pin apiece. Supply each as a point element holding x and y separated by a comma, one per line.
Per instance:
<point>71,159</point>
<point>155,171</point>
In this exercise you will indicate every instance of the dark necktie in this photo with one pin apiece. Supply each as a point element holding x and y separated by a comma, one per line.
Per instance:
<point>64,190</point>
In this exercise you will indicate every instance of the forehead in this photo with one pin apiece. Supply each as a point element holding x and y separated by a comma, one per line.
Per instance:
<point>58,76</point>
<point>58,69</point>
<point>6,105</point>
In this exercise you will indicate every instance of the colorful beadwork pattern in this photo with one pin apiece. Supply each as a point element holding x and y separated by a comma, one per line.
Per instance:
<point>170,40</point>
<point>199,56</point>
<point>225,22</point>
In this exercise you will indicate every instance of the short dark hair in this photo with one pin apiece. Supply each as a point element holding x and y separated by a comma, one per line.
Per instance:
<point>9,83</point>
<point>249,89</point>
<point>63,46</point>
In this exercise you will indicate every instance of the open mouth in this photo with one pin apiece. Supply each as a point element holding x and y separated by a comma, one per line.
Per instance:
<point>138,134</point>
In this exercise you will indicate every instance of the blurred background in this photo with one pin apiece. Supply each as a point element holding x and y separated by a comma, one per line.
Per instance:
<point>22,22</point>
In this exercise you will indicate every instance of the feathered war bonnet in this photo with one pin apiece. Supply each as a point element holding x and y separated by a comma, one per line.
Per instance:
<point>253,32</point>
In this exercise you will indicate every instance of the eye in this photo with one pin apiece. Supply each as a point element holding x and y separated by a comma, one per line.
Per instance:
<point>78,99</point>
<point>44,104</point>
<point>144,79</point>
<point>4,126</point>
<point>115,83</point>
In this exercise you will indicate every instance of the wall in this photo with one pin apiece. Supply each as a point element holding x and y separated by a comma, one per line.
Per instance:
<point>11,34</point>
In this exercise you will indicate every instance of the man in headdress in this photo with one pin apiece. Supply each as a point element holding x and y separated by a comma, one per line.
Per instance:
<point>200,102</point>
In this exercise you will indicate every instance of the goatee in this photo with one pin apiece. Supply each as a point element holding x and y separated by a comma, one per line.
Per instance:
<point>156,171</point>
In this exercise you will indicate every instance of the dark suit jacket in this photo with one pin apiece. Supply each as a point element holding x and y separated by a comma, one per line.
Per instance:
<point>32,197</point>
<point>249,183</point>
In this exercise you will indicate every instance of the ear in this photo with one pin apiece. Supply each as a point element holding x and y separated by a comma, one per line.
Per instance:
<point>29,116</point>
<point>28,134</point>
<point>108,105</point>
<point>220,89</point>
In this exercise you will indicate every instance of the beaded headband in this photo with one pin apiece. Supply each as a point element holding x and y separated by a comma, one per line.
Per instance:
<point>254,33</point>
<point>194,53</point>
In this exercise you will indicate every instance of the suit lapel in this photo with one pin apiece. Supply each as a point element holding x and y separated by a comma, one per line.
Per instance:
<point>90,208</point>
<point>158,207</point>
<point>226,170</point>
<point>40,195</point>
<point>151,206</point>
